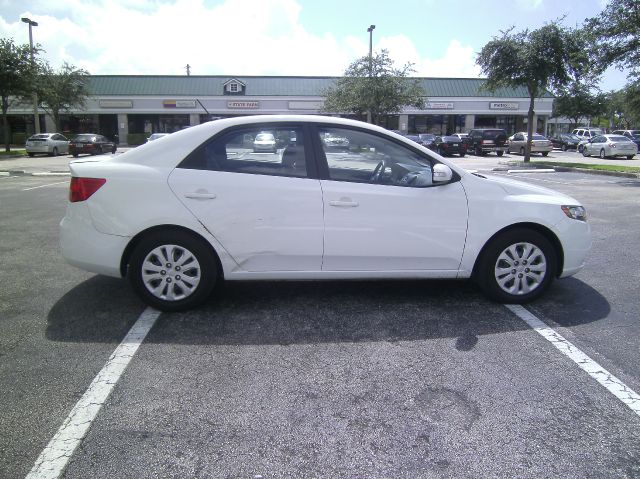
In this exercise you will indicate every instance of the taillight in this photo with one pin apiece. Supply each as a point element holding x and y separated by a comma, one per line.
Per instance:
<point>81,189</point>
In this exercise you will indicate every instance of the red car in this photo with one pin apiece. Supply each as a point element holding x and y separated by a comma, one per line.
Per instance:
<point>91,144</point>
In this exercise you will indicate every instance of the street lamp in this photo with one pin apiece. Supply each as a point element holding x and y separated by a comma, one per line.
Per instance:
<point>370,30</point>
<point>36,117</point>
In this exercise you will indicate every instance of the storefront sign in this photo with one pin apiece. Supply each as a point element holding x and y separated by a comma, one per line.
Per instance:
<point>179,103</point>
<point>243,104</point>
<point>305,105</point>
<point>439,106</point>
<point>503,106</point>
<point>115,103</point>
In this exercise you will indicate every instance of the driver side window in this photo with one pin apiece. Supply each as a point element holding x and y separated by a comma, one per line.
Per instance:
<point>362,157</point>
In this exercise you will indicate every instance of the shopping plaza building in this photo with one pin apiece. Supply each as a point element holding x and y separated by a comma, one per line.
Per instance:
<point>127,106</point>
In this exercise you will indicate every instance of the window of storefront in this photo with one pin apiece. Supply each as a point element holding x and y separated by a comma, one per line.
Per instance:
<point>157,123</point>
<point>436,124</point>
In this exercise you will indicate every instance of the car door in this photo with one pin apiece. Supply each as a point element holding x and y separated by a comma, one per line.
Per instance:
<point>264,208</point>
<point>382,211</point>
<point>597,143</point>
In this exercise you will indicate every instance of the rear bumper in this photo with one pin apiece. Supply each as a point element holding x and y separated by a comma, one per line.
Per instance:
<point>38,149</point>
<point>86,248</point>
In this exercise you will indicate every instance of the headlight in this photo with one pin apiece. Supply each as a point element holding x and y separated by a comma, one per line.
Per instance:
<point>575,212</point>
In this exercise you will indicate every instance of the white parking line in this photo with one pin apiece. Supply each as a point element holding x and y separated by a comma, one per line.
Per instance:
<point>44,186</point>
<point>614,385</point>
<point>54,458</point>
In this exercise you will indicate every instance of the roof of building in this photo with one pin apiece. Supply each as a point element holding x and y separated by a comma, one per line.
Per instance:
<point>166,85</point>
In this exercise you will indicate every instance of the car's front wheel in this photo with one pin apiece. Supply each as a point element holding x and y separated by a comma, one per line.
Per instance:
<point>500,153</point>
<point>173,270</point>
<point>602,155</point>
<point>517,266</point>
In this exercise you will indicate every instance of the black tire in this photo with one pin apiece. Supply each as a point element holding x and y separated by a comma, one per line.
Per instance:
<point>564,148</point>
<point>462,155</point>
<point>580,148</point>
<point>31,154</point>
<point>75,155</point>
<point>522,150</point>
<point>478,151</point>
<point>545,153</point>
<point>629,157</point>
<point>499,153</point>
<point>602,156</point>
<point>99,150</point>
<point>485,271</point>
<point>113,150</point>
<point>55,151</point>
<point>145,254</point>
<point>585,152</point>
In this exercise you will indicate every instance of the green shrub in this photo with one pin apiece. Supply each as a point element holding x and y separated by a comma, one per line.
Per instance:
<point>18,138</point>
<point>137,138</point>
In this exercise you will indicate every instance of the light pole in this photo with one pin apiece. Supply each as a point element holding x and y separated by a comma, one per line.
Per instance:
<point>370,30</point>
<point>36,117</point>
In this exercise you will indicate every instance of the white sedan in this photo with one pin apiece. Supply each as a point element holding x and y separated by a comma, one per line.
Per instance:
<point>52,144</point>
<point>178,216</point>
<point>610,145</point>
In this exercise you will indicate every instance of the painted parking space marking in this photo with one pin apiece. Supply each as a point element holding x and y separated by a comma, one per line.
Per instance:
<point>44,186</point>
<point>54,458</point>
<point>614,385</point>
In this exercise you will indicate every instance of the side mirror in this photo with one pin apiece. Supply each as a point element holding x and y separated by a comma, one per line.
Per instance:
<point>442,173</point>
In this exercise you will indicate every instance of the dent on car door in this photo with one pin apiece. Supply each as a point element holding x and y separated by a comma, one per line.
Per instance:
<point>382,211</point>
<point>261,207</point>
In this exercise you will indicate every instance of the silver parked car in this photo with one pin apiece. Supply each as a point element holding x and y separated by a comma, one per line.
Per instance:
<point>539,144</point>
<point>610,145</point>
<point>53,144</point>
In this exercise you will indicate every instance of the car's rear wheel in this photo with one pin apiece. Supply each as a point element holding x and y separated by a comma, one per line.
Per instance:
<point>462,155</point>
<point>173,270</point>
<point>564,148</point>
<point>499,153</point>
<point>517,266</point>
<point>478,151</point>
<point>602,155</point>
<point>545,153</point>
<point>629,157</point>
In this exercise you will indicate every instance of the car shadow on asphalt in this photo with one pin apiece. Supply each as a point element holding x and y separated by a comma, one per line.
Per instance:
<point>248,313</point>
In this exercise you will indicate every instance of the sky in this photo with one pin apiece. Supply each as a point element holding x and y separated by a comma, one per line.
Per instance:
<point>278,37</point>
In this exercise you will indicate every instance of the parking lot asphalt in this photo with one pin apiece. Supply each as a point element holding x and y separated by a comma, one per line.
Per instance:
<point>330,379</point>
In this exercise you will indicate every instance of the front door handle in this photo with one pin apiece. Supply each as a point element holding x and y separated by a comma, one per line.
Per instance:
<point>200,196</point>
<point>344,203</point>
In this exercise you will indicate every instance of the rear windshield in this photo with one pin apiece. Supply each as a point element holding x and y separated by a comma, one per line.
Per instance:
<point>493,133</point>
<point>618,138</point>
<point>535,136</point>
<point>39,137</point>
<point>83,138</point>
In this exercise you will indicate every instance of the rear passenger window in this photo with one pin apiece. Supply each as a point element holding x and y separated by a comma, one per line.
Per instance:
<point>258,150</point>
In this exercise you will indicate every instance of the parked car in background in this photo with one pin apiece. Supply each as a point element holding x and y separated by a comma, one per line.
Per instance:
<point>539,144</point>
<point>450,145</point>
<point>633,135</point>
<point>427,139</point>
<point>565,141</point>
<point>179,217</point>
<point>487,140</point>
<point>265,142</point>
<point>155,136</point>
<point>52,144</point>
<point>587,133</point>
<point>610,145</point>
<point>91,144</point>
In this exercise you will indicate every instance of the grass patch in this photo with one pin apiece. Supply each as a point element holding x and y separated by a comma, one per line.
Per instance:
<point>619,168</point>
<point>13,152</point>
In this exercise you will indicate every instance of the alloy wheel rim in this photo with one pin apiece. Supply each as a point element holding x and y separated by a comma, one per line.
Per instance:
<point>171,272</point>
<point>520,268</point>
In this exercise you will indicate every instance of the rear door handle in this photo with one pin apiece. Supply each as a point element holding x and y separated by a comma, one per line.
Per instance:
<point>200,196</point>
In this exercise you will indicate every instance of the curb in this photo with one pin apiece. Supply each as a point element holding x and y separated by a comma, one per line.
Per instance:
<point>569,169</point>
<point>33,173</point>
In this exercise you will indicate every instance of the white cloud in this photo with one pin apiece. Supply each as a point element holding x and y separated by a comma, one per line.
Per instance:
<point>237,37</point>
<point>530,4</point>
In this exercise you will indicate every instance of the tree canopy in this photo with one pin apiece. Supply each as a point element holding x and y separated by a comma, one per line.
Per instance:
<point>381,90</point>
<point>17,77</point>
<point>59,91</point>
<point>540,60</point>
<point>616,35</point>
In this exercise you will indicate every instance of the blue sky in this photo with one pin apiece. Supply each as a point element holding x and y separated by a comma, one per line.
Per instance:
<point>278,37</point>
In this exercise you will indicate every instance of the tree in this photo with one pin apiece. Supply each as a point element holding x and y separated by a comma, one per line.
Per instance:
<point>540,60</point>
<point>577,101</point>
<point>17,78</point>
<point>60,91</point>
<point>616,34</point>
<point>383,90</point>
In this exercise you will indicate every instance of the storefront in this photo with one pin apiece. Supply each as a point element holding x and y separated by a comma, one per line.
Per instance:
<point>132,107</point>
